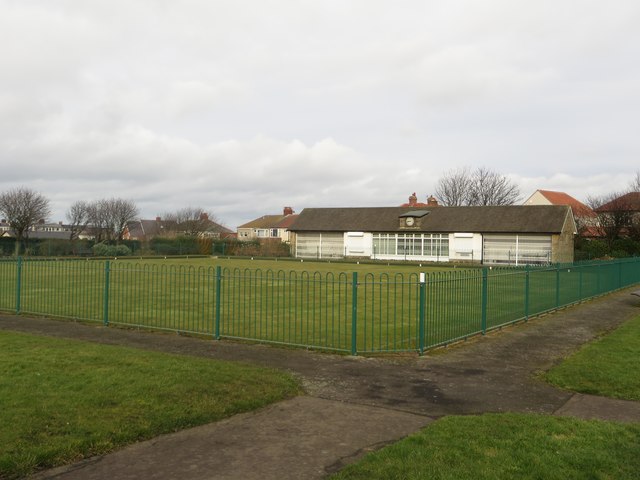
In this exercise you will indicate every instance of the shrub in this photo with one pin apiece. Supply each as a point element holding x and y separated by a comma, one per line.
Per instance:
<point>122,250</point>
<point>104,250</point>
<point>626,246</point>
<point>587,249</point>
<point>58,247</point>
<point>181,245</point>
<point>251,248</point>
<point>205,245</point>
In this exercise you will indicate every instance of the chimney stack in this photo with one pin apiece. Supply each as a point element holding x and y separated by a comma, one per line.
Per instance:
<point>288,211</point>
<point>431,201</point>
<point>204,216</point>
<point>413,199</point>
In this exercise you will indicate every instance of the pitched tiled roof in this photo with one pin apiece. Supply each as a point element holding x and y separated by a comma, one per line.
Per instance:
<point>629,201</point>
<point>499,219</point>
<point>266,221</point>
<point>214,227</point>
<point>560,198</point>
<point>144,228</point>
<point>286,221</point>
<point>139,229</point>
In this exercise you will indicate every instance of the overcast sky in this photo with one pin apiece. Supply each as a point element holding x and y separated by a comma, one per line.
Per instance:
<point>244,107</point>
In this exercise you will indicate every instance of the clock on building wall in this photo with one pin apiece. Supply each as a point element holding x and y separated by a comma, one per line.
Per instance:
<point>413,219</point>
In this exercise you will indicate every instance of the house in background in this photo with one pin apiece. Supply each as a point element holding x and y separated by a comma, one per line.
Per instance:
<point>621,216</point>
<point>147,229</point>
<point>144,230</point>
<point>4,226</point>
<point>268,227</point>
<point>41,230</point>
<point>536,234</point>
<point>46,230</point>
<point>630,202</point>
<point>586,219</point>
<point>216,230</point>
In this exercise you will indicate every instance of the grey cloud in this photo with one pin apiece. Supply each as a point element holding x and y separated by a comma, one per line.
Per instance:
<point>245,107</point>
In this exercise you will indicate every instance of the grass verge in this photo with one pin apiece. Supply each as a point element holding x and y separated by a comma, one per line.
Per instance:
<point>507,446</point>
<point>518,446</point>
<point>64,400</point>
<point>607,366</point>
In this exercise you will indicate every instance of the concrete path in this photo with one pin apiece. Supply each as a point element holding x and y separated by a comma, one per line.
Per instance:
<point>354,404</point>
<point>301,438</point>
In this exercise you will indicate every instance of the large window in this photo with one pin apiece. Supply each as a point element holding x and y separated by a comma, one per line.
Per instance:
<point>384,244</point>
<point>319,245</point>
<point>405,245</point>
<point>517,249</point>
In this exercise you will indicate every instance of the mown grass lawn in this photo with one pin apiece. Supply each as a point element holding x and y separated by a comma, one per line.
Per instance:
<point>293,302</point>
<point>64,400</point>
<point>608,366</point>
<point>507,446</point>
<point>519,446</point>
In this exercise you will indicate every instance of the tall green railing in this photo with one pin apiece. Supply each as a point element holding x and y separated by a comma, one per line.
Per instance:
<point>345,312</point>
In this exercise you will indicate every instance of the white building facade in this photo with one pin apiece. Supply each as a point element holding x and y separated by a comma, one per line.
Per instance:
<point>513,235</point>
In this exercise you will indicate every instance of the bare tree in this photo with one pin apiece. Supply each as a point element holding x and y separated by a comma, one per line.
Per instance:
<point>78,216</point>
<point>584,224</point>
<point>191,221</point>
<point>491,188</point>
<point>99,220</point>
<point>109,217</point>
<point>23,208</point>
<point>633,222</point>
<point>481,186</point>
<point>452,189</point>
<point>634,186</point>
<point>614,215</point>
<point>634,227</point>
<point>122,212</point>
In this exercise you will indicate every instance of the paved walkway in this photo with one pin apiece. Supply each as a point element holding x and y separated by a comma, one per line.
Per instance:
<point>353,404</point>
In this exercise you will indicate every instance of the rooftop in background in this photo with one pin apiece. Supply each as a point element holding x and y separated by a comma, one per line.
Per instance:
<point>629,201</point>
<point>272,221</point>
<point>147,229</point>
<point>413,201</point>
<point>548,197</point>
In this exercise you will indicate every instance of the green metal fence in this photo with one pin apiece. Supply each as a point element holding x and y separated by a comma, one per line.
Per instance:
<point>345,312</point>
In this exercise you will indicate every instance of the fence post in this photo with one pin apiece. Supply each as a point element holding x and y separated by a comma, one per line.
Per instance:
<point>557,286</point>
<point>620,273</point>
<point>354,313</point>
<point>18,284</point>
<point>105,314</point>
<point>485,295</point>
<point>423,288</point>
<point>218,299</point>
<point>526,292</point>
<point>580,291</point>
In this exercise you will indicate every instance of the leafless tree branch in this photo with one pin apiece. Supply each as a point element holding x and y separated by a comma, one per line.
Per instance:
<point>23,208</point>
<point>481,186</point>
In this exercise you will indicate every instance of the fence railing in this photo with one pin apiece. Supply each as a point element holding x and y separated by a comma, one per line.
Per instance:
<point>346,312</point>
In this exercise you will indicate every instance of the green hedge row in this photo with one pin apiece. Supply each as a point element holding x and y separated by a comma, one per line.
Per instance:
<point>156,246</point>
